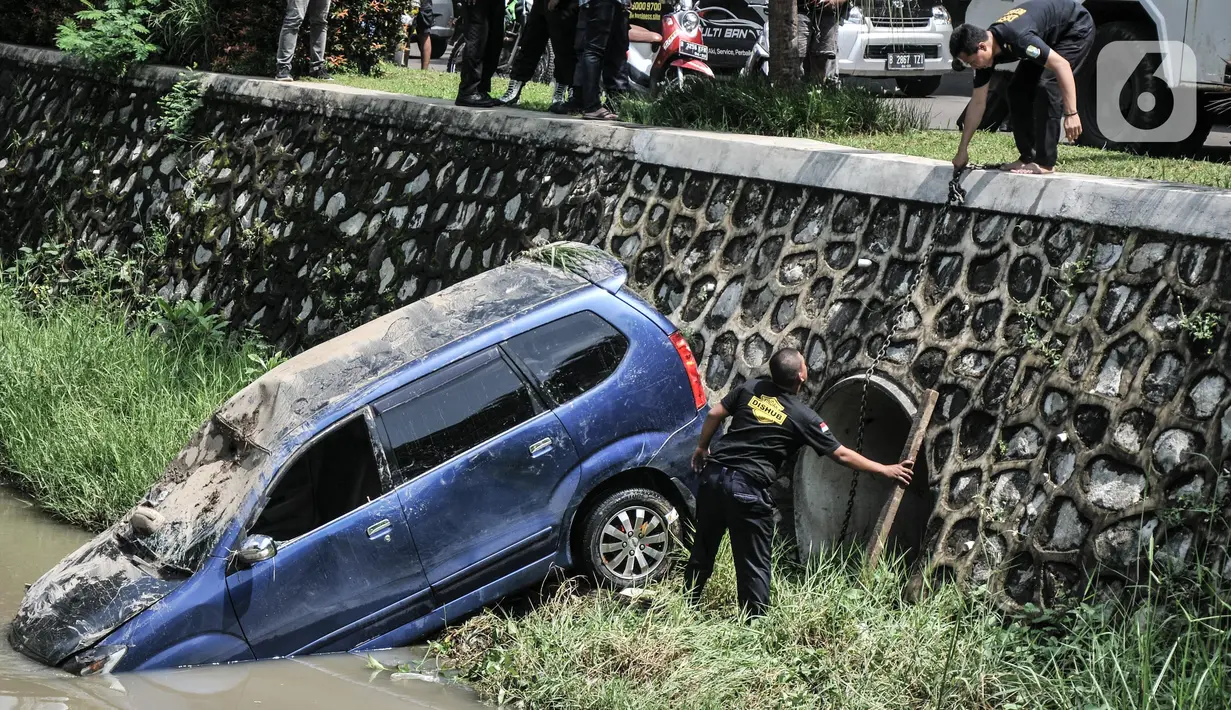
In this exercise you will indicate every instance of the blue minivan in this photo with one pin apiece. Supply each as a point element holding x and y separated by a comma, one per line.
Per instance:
<point>378,486</point>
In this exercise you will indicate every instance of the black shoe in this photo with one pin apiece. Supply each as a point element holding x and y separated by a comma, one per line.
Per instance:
<point>477,101</point>
<point>567,107</point>
<point>320,74</point>
<point>284,74</point>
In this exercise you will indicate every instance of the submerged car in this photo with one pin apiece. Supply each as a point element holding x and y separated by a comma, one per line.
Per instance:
<point>378,486</point>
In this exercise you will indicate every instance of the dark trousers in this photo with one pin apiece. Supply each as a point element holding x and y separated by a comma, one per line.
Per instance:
<point>560,27</point>
<point>728,499</point>
<point>1035,99</point>
<point>602,50</point>
<point>484,40</point>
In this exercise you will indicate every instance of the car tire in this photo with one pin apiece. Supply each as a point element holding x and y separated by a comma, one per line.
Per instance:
<point>1142,81</point>
<point>610,529</point>
<point>918,87</point>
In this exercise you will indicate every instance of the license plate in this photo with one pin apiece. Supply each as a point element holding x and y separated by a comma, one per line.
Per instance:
<point>913,60</point>
<point>696,51</point>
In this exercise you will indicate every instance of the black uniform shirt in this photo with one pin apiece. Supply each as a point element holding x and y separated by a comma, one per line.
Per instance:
<point>1027,32</point>
<point>767,426</point>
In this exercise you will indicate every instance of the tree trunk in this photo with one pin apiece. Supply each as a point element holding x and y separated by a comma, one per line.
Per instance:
<point>784,60</point>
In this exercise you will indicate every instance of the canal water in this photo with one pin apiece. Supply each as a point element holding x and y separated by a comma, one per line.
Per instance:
<point>31,543</point>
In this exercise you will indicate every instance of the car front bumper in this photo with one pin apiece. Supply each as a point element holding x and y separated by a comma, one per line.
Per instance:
<point>862,50</point>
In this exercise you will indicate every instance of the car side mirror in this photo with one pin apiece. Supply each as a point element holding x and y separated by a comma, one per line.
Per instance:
<point>256,548</point>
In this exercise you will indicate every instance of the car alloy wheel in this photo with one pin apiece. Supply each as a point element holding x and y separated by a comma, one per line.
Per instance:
<point>634,542</point>
<point>629,538</point>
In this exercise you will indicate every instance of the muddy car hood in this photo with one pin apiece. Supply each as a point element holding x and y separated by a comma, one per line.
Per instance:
<point>83,599</point>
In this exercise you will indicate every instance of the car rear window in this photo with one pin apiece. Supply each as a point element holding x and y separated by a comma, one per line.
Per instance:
<point>439,424</point>
<point>570,356</point>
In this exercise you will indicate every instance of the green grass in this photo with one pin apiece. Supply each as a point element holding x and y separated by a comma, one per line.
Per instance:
<point>850,117</point>
<point>831,640</point>
<point>999,148</point>
<point>92,410</point>
<point>439,85</point>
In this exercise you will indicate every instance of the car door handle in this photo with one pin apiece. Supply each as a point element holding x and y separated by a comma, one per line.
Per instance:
<point>376,529</point>
<point>540,447</point>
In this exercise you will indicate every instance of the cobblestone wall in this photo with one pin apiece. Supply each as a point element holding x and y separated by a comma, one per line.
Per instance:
<point>1079,418</point>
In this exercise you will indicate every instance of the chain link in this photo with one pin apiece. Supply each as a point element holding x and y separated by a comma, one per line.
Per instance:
<point>898,321</point>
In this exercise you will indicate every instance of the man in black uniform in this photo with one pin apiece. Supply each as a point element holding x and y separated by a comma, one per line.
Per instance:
<point>768,425</point>
<point>1051,39</point>
<point>484,21</point>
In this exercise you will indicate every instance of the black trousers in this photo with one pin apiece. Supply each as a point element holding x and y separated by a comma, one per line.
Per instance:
<point>560,27</point>
<point>1035,99</point>
<point>728,499</point>
<point>602,50</point>
<point>484,40</point>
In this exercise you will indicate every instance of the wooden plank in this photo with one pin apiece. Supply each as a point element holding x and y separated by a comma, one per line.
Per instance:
<point>914,441</point>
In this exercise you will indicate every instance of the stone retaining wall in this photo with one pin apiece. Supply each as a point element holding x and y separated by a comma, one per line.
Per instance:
<point>1079,420</point>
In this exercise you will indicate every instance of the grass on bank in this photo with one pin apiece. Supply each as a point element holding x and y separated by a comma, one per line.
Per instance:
<point>830,640</point>
<point>93,406</point>
<point>439,85</point>
<point>851,117</point>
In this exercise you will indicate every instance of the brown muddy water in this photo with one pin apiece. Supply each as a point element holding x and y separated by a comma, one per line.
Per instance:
<point>31,543</point>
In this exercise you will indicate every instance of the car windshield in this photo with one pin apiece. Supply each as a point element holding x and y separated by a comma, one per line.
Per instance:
<point>197,499</point>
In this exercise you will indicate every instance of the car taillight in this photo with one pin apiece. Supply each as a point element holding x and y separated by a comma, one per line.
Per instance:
<point>690,366</point>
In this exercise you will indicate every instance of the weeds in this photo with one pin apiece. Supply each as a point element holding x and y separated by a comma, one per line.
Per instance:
<point>834,639</point>
<point>569,257</point>
<point>1200,326</point>
<point>110,37</point>
<point>100,386</point>
<point>179,106</point>
<point>752,105</point>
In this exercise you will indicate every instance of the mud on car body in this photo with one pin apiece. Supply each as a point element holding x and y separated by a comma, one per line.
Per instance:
<point>401,475</point>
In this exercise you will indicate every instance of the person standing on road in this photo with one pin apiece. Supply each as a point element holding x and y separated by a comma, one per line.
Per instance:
<point>554,20</point>
<point>768,425</point>
<point>817,37</point>
<point>1051,39</point>
<point>422,31</point>
<point>484,22</point>
<point>317,12</point>
<point>602,34</point>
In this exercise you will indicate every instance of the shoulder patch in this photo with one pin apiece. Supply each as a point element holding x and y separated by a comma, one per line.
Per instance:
<point>824,427</point>
<point>767,410</point>
<point>1033,52</point>
<point>1011,15</point>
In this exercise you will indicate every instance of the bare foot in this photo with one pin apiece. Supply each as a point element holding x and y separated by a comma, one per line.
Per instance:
<point>1013,166</point>
<point>1034,169</point>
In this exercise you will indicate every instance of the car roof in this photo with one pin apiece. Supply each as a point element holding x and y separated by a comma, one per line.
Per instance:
<point>290,395</point>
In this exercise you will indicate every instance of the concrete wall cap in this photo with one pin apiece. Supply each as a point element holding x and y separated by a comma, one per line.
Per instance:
<point>1170,208</point>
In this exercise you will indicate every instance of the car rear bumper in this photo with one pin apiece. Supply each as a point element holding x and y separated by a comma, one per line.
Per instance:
<point>862,51</point>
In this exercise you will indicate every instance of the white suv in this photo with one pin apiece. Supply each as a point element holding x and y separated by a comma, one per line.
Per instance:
<point>902,40</point>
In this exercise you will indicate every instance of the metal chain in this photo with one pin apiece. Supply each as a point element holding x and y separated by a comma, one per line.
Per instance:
<point>898,320</point>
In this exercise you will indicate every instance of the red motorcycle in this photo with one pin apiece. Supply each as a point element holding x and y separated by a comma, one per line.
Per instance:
<point>654,61</point>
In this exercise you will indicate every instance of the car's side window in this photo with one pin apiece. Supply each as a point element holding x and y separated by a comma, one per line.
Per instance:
<point>427,430</point>
<point>571,355</point>
<point>336,474</point>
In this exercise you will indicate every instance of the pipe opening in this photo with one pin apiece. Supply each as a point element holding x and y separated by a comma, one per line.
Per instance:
<point>822,485</point>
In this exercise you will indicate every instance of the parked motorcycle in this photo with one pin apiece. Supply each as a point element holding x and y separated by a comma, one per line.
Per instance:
<point>758,61</point>
<point>655,61</point>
